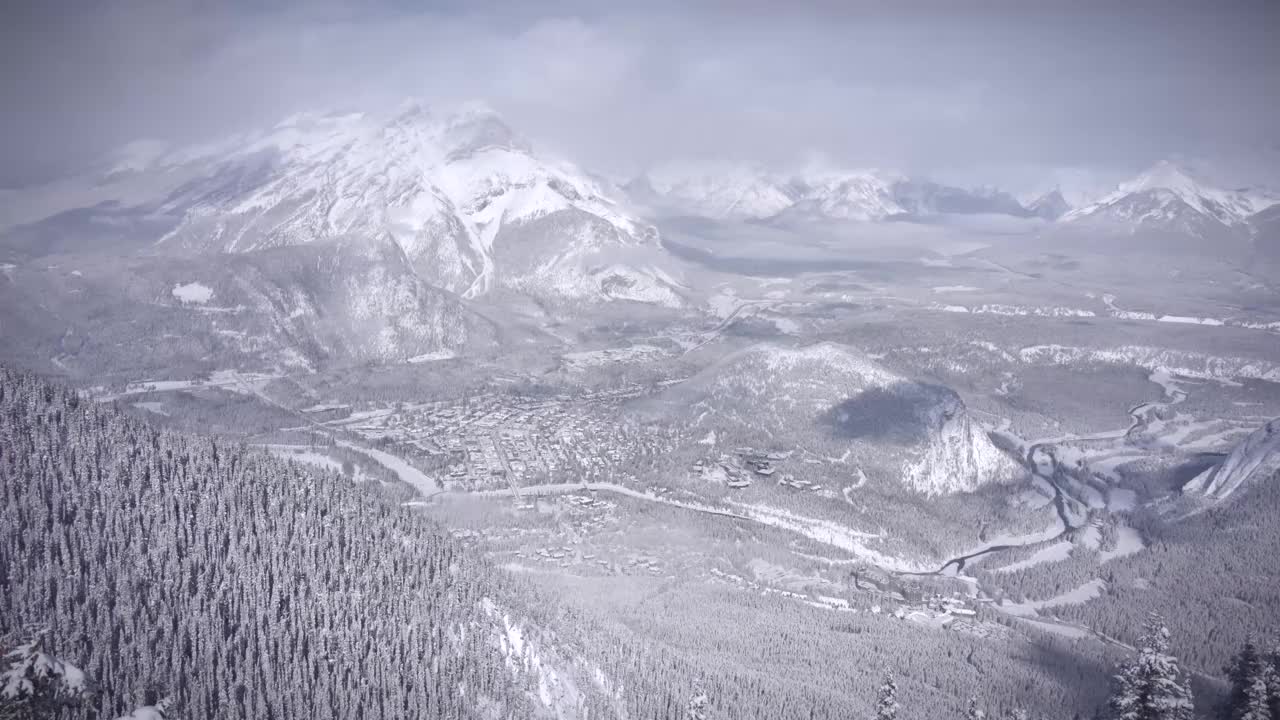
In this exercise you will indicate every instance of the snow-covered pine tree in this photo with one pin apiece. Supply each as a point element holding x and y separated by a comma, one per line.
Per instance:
<point>162,710</point>
<point>1241,671</point>
<point>1151,686</point>
<point>698,706</point>
<point>887,698</point>
<point>1271,666</point>
<point>974,712</point>
<point>35,684</point>
<point>1256,703</point>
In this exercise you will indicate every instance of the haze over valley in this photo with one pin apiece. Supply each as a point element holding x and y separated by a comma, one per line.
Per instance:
<point>393,404</point>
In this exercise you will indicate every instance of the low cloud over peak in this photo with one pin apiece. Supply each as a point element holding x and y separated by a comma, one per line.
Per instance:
<point>929,88</point>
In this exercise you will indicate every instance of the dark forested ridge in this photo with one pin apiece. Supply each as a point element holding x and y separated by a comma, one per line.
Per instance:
<point>238,583</point>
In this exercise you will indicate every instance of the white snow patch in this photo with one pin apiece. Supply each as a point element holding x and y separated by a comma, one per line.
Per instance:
<point>152,406</point>
<point>436,356</point>
<point>1053,553</point>
<point>1128,542</point>
<point>1075,596</point>
<point>193,293</point>
<point>610,356</point>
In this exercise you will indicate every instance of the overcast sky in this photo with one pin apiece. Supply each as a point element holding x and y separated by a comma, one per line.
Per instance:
<point>991,92</point>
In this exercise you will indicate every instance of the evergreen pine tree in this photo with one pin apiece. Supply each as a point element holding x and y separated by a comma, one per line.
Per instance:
<point>887,699</point>
<point>1150,686</point>
<point>974,712</point>
<point>1241,671</point>
<point>160,711</point>
<point>1256,705</point>
<point>698,706</point>
<point>1271,666</point>
<point>35,684</point>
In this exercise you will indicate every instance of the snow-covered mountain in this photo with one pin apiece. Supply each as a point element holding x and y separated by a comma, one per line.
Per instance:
<point>902,433</point>
<point>1170,197</point>
<point>1254,460</point>
<point>857,195</point>
<point>717,190</point>
<point>737,191</point>
<point>468,200</point>
<point>1049,206</point>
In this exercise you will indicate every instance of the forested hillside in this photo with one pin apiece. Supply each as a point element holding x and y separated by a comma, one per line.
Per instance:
<point>244,586</point>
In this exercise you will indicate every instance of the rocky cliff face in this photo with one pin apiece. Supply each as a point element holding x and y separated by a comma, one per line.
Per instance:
<point>1254,460</point>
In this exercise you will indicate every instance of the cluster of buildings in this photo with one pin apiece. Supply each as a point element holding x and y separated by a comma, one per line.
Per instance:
<point>747,464</point>
<point>495,440</point>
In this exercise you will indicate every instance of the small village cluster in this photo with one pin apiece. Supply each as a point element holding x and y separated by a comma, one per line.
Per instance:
<point>497,440</point>
<point>746,464</point>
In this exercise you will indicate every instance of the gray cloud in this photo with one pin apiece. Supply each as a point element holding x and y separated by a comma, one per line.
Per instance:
<point>987,90</point>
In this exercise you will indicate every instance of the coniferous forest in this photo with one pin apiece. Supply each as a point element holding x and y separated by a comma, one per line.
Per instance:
<point>229,580</point>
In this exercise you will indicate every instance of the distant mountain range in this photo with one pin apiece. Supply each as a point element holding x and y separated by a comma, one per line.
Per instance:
<point>1166,197</point>
<point>744,192</point>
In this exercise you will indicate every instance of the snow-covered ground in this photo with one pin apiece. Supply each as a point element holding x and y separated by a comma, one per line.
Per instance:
<point>1051,553</point>
<point>305,454</point>
<point>1014,310</point>
<point>1128,542</point>
<point>610,356</point>
<point>407,473</point>
<point>1075,596</point>
<point>433,356</point>
<point>152,406</point>
<point>193,293</point>
<point>231,380</point>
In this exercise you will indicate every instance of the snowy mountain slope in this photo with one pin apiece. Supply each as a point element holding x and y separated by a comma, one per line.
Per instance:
<point>717,190</point>
<point>1254,460</point>
<point>860,196</point>
<point>447,186</point>
<point>1169,197</point>
<point>1265,229</point>
<point>339,301</point>
<point>831,396</point>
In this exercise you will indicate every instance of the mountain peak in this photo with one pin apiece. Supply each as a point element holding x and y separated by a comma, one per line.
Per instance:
<point>1170,195</point>
<point>1050,206</point>
<point>1164,175</point>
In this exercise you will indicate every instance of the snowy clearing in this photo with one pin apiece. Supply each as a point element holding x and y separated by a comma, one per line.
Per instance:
<point>1053,553</point>
<point>1128,542</point>
<point>433,357</point>
<point>193,293</point>
<point>1075,596</point>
